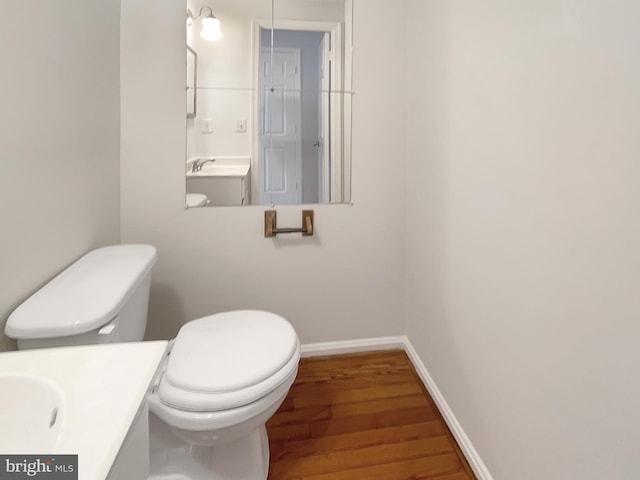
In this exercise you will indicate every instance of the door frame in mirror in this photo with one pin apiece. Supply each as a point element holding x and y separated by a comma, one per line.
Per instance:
<point>335,30</point>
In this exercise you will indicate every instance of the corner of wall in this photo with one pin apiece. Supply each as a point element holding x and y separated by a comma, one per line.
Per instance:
<point>470,453</point>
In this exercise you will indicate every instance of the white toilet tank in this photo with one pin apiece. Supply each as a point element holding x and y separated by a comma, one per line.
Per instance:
<point>101,298</point>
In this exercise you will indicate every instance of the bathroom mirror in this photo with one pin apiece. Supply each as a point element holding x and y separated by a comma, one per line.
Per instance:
<point>271,121</point>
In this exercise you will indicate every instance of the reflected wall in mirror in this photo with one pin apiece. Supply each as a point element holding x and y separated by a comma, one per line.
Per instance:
<point>273,103</point>
<point>192,68</point>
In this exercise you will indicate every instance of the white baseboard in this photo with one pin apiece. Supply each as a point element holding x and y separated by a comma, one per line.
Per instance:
<point>470,453</point>
<point>403,343</point>
<point>352,346</point>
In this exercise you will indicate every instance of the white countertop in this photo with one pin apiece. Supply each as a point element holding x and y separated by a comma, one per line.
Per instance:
<point>222,167</point>
<point>221,171</point>
<point>103,387</point>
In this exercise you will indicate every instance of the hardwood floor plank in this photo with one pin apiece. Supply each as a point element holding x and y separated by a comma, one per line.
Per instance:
<point>302,415</point>
<point>380,406</point>
<point>286,449</point>
<point>362,416</point>
<point>384,376</point>
<point>453,476</point>
<point>361,457</point>
<point>365,361</point>
<point>369,422</point>
<point>317,395</point>
<point>289,432</point>
<point>413,469</point>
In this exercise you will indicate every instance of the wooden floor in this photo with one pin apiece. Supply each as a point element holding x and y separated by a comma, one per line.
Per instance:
<point>361,416</point>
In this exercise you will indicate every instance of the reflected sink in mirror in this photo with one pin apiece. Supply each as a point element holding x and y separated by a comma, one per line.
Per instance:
<point>31,414</point>
<point>220,181</point>
<point>218,167</point>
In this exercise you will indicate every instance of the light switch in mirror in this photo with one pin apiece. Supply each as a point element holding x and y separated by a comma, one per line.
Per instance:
<point>275,93</point>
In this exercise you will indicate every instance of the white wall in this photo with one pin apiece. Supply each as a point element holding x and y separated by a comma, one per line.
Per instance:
<point>59,137</point>
<point>523,226</point>
<point>224,79</point>
<point>343,283</point>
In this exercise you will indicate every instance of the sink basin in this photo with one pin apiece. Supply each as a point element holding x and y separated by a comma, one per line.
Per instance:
<point>31,414</point>
<point>99,393</point>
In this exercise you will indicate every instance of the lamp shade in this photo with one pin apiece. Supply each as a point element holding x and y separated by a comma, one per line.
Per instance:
<point>211,28</point>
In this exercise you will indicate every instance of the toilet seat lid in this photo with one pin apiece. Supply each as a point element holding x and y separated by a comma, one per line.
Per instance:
<point>229,352</point>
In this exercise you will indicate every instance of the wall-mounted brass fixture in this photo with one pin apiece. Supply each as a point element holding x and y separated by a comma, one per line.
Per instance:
<point>271,230</point>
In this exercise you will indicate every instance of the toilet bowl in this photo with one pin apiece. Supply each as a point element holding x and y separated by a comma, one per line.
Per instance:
<point>196,200</point>
<point>225,376</point>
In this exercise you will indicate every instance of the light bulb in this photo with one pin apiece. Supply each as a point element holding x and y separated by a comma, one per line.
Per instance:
<point>211,28</point>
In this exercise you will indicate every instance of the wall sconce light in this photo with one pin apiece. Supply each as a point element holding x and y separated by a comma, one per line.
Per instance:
<point>210,24</point>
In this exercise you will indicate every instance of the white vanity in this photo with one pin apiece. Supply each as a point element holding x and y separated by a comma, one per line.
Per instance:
<point>84,400</point>
<point>226,181</point>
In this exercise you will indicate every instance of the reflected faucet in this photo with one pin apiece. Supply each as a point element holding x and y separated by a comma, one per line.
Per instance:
<point>197,164</point>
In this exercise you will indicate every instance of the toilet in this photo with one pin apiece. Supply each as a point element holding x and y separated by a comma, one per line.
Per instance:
<point>224,375</point>
<point>196,200</point>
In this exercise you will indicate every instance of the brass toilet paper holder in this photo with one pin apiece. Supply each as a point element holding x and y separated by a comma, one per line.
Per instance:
<point>271,229</point>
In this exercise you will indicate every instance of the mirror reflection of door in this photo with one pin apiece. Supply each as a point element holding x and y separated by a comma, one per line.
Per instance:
<point>295,117</point>
<point>280,128</point>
